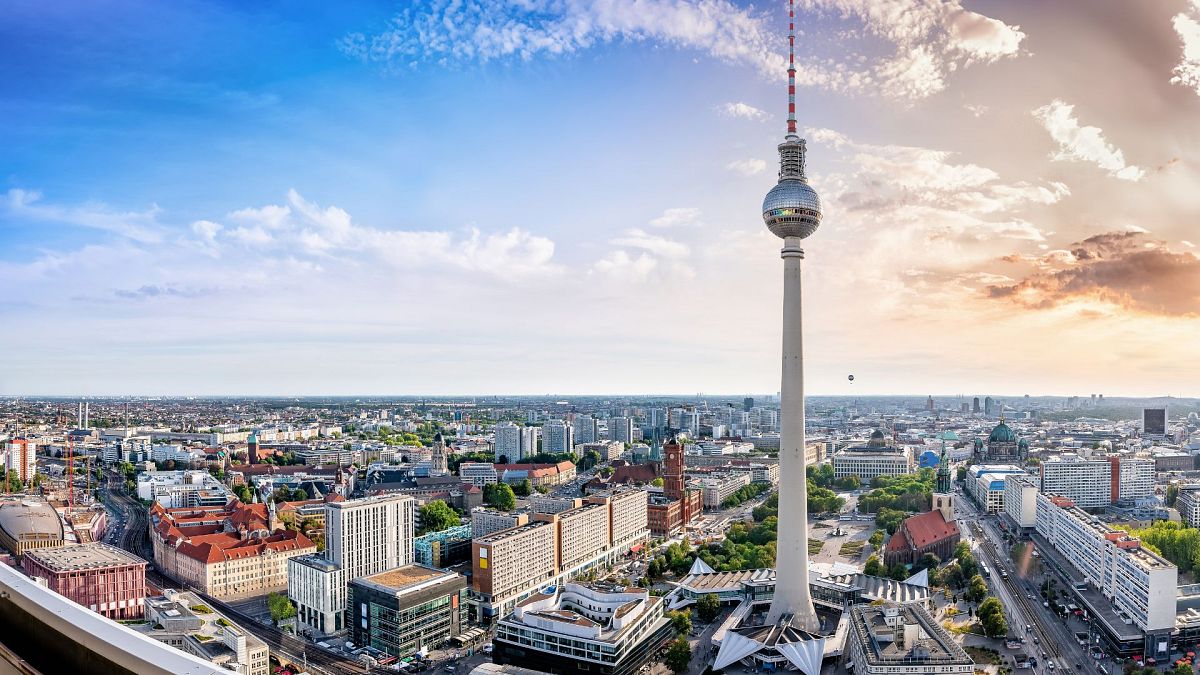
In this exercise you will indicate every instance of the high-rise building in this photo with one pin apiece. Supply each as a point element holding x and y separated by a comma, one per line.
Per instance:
<point>747,404</point>
<point>1188,504</point>
<point>362,537</point>
<point>989,407</point>
<point>1154,421</point>
<point>975,405</point>
<point>557,437</point>
<point>252,448</point>
<point>586,429</point>
<point>620,429</point>
<point>20,455</point>
<point>529,441</point>
<point>508,442</point>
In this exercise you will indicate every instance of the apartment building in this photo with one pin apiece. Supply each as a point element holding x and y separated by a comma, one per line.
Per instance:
<point>557,437</point>
<point>362,537</point>
<point>1140,584</point>
<point>985,484</point>
<point>1020,499</point>
<point>508,442</point>
<point>512,564</point>
<point>485,521</point>
<point>718,488</point>
<point>1188,504</point>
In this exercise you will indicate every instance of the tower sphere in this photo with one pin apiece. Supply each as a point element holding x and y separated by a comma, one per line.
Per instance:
<point>792,209</point>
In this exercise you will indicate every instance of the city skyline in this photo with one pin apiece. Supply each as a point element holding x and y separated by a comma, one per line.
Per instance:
<point>219,201</point>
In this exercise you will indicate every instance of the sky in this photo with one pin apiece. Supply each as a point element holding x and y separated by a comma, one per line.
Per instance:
<point>564,196</point>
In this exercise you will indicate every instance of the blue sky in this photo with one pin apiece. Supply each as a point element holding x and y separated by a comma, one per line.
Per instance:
<point>481,197</point>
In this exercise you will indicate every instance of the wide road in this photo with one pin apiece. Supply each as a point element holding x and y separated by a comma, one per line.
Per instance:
<point>1055,640</point>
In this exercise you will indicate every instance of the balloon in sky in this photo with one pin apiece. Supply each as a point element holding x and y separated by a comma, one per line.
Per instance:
<point>851,378</point>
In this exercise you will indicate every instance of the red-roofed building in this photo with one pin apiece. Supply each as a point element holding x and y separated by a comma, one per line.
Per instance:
<point>230,551</point>
<point>923,533</point>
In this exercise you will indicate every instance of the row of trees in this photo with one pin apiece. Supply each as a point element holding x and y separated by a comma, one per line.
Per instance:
<point>823,476</point>
<point>745,493</point>
<point>1174,541</point>
<point>907,492</point>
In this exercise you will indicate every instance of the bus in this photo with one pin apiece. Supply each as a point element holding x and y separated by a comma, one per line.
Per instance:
<point>984,571</point>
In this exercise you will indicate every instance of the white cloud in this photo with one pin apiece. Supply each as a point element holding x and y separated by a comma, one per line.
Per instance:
<point>621,265</point>
<point>658,245</point>
<point>677,217</point>
<point>1087,144</point>
<point>928,40</point>
<point>1187,72</point>
<point>742,110</point>
<point>747,167</point>
<point>140,226</point>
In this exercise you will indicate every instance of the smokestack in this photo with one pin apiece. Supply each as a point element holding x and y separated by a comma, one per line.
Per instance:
<point>79,417</point>
<point>87,410</point>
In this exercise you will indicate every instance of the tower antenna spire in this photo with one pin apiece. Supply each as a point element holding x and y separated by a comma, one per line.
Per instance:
<point>791,122</point>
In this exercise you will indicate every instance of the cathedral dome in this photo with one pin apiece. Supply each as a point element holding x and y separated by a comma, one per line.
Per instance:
<point>877,439</point>
<point>1002,434</point>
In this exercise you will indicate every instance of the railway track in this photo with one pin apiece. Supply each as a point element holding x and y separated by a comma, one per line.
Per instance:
<point>1048,641</point>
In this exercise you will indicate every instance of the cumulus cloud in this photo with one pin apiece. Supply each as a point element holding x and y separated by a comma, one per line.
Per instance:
<point>1187,26</point>
<point>658,245</point>
<point>742,110</point>
<point>1118,268</point>
<point>928,40</point>
<point>747,167</point>
<point>1086,144</point>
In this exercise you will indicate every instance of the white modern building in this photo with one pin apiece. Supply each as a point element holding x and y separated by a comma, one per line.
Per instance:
<point>362,537</point>
<point>1087,482</point>
<point>869,462</point>
<point>1188,504</point>
<point>717,488</point>
<point>1140,584</point>
<point>478,473</point>
<point>557,437</point>
<point>508,442</point>
<point>178,489</point>
<point>1020,499</point>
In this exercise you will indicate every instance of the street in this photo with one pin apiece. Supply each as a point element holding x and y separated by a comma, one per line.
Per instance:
<point>1055,643</point>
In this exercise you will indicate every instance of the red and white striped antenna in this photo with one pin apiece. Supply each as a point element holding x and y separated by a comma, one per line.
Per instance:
<point>791,124</point>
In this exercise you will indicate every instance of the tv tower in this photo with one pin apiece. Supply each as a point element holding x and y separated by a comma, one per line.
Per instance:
<point>792,211</point>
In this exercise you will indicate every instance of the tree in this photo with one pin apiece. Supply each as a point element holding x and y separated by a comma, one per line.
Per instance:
<point>280,607</point>
<point>679,655</point>
<point>244,493</point>
<point>523,489</point>
<point>499,495</point>
<point>1172,494</point>
<point>874,568</point>
<point>977,589</point>
<point>898,572</point>
<point>876,539</point>
<point>962,473</point>
<point>681,621</point>
<point>928,561</point>
<point>657,482</point>
<point>590,458</point>
<point>991,617</point>
<point>437,516</point>
<point>708,607</point>
<point>848,482</point>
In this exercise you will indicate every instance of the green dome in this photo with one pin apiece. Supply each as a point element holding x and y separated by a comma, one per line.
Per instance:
<point>1002,434</point>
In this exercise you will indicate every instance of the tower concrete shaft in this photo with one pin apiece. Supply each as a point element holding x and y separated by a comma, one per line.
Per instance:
<point>792,594</point>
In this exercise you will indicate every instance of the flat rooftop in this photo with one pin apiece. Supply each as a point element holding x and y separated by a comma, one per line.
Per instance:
<point>84,557</point>
<point>935,647</point>
<point>408,575</point>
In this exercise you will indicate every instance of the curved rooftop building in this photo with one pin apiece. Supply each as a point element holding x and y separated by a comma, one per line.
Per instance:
<point>29,523</point>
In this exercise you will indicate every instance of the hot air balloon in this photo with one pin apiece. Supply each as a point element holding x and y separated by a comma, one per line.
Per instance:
<point>851,378</point>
